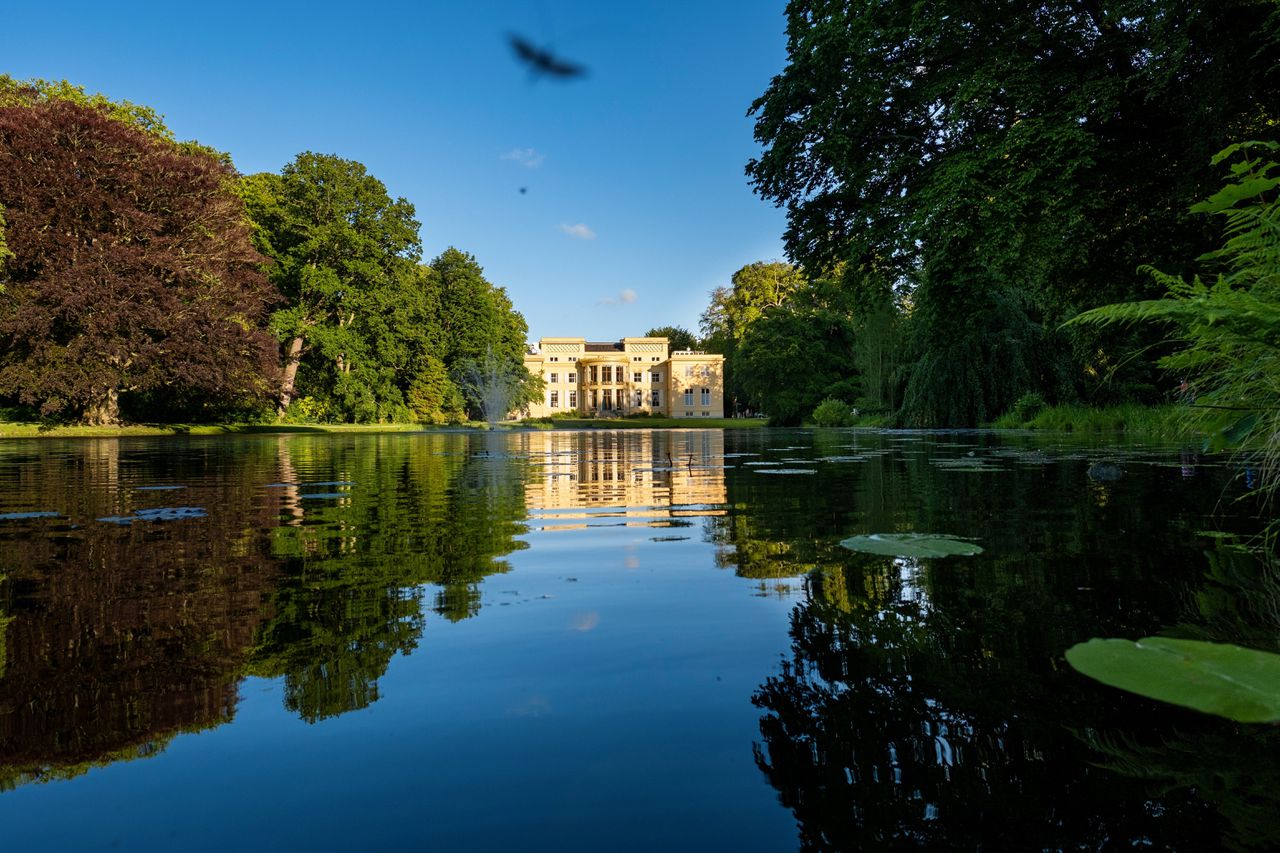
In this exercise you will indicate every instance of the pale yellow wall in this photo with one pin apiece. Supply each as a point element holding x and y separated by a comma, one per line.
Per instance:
<point>696,372</point>
<point>556,359</point>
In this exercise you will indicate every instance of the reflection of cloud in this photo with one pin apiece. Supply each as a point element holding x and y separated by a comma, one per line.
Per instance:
<point>526,157</point>
<point>535,705</point>
<point>625,297</point>
<point>585,621</point>
<point>631,562</point>
<point>581,231</point>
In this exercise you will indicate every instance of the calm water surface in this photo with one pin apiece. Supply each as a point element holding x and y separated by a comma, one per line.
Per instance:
<point>614,640</point>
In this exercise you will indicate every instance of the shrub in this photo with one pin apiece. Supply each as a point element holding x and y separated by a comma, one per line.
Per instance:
<point>832,413</point>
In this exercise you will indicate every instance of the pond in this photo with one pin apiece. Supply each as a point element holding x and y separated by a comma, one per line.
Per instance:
<point>617,640</point>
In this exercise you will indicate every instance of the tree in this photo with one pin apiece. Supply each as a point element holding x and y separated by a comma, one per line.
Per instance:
<point>755,288</point>
<point>344,257</point>
<point>1228,332</point>
<point>474,316</point>
<point>131,270</point>
<point>678,338</point>
<point>791,359</point>
<point>1008,166</point>
<point>433,397</point>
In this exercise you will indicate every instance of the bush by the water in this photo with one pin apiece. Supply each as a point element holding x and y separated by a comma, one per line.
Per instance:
<point>832,413</point>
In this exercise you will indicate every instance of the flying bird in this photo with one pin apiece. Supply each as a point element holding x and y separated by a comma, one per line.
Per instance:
<point>542,61</point>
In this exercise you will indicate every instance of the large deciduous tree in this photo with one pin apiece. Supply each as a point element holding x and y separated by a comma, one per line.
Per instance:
<point>678,337</point>
<point>345,256</point>
<point>131,267</point>
<point>1008,164</point>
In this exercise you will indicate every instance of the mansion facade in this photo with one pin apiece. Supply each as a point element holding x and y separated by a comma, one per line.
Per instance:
<point>626,377</point>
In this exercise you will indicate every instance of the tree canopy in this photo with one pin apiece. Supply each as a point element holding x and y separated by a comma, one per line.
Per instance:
<point>678,337</point>
<point>344,256</point>
<point>1006,167</point>
<point>136,275</point>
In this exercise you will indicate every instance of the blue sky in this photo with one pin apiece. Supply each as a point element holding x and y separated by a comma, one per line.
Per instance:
<point>636,203</point>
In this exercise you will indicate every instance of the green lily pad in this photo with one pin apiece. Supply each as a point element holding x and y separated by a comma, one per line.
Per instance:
<point>1216,678</point>
<point>912,545</point>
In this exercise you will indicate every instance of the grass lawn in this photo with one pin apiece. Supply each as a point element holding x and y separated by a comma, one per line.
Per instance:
<point>42,430</point>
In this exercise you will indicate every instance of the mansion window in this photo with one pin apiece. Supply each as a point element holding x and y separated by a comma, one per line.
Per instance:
<point>573,399</point>
<point>608,398</point>
<point>706,396</point>
<point>639,399</point>
<point>657,398</point>
<point>595,399</point>
<point>555,377</point>
<point>592,372</point>
<point>688,396</point>
<point>573,377</point>
<point>637,377</point>
<point>657,377</point>
<point>555,399</point>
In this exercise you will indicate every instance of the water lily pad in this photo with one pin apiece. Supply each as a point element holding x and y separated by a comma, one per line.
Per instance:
<point>160,513</point>
<point>13,516</point>
<point>1216,678</point>
<point>912,545</point>
<point>318,495</point>
<point>157,488</point>
<point>786,471</point>
<point>761,463</point>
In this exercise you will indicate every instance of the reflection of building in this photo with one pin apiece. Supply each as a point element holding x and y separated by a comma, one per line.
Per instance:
<point>641,474</point>
<point>630,376</point>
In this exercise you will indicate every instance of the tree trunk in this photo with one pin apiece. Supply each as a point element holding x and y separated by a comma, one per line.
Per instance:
<point>292,357</point>
<point>105,411</point>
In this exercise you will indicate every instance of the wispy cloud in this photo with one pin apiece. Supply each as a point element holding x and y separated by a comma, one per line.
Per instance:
<point>624,297</point>
<point>582,232</point>
<point>525,157</point>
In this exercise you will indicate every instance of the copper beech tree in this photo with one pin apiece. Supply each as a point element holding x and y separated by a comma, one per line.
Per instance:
<point>131,268</point>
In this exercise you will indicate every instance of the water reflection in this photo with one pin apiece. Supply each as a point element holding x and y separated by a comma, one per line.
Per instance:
<point>118,637</point>
<point>638,478</point>
<point>920,703</point>
<point>925,703</point>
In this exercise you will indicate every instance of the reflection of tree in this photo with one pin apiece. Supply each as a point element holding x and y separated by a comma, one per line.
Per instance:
<point>1234,767</point>
<point>904,724</point>
<point>119,637</point>
<point>351,596</point>
<point>113,639</point>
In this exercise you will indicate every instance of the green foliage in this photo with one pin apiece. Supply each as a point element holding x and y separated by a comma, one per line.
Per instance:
<point>30,92</point>
<point>1216,678</point>
<point>1027,406</point>
<point>1001,167</point>
<point>309,410</point>
<point>678,338</point>
<point>832,413</point>
<point>433,398</point>
<point>1228,332</point>
<point>1166,421</point>
<point>473,316</point>
<point>356,307</point>
<point>790,360</point>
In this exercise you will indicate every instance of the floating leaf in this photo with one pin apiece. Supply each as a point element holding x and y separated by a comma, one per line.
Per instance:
<point>912,545</point>
<point>1216,678</point>
<point>10,516</point>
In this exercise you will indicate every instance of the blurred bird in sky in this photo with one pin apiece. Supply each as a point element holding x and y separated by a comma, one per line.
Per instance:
<point>542,62</point>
